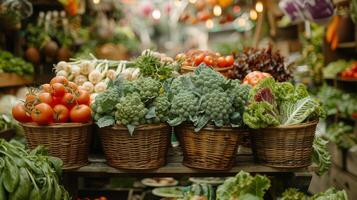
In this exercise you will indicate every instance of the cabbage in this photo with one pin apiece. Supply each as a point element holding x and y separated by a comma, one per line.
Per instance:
<point>6,103</point>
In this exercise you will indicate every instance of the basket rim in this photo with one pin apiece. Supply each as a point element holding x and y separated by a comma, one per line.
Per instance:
<point>56,125</point>
<point>213,127</point>
<point>140,127</point>
<point>296,126</point>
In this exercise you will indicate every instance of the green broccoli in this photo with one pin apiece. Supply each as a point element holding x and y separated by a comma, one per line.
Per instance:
<point>207,80</point>
<point>130,110</point>
<point>183,106</point>
<point>148,88</point>
<point>217,107</point>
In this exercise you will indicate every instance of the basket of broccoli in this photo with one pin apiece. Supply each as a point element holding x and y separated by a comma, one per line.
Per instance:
<point>131,116</point>
<point>206,111</point>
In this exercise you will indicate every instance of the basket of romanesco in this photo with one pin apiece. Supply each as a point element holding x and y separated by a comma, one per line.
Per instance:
<point>131,117</point>
<point>207,110</point>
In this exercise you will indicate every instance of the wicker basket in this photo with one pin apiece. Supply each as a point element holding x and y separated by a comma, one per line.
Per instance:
<point>284,146</point>
<point>145,149</point>
<point>224,71</point>
<point>212,148</point>
<point>68,141</point>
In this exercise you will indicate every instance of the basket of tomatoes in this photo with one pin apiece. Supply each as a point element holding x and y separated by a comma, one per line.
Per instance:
<point>58,116</point>
<point>193,58</point>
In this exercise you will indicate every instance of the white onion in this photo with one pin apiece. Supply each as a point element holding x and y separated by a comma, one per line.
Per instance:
<point>88,86</point>
<point>75,70</point>
<point>80,79</point>
<point>62,73</point>
<point>95,76</point>
<point>100,87</point>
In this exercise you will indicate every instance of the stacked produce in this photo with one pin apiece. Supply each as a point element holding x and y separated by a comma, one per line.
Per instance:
<point>29,174</point>
<point>131,103</point>
<point>333,69</point>
<point>263,60</point>
<point>207,97</point>
<point>58,102</point>
<point>272,104</point>
<point>11,64</point>
<point>350,72</point>
<point>196,57</point>
<point>199,191</point>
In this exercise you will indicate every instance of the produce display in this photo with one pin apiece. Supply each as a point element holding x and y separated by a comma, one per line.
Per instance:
<point>263,60</point>
<point>331,193</point>
<point>274,103</point>
<point>350,72</point>
<point>11,64</point>
<point>199,191</point>
<point>207,97</point>
<point>58,102</point>
<point>342,135</point>
<point>29,174</point>
<point>333,69</point>
<point>195,57</point>
<point>131,103</point>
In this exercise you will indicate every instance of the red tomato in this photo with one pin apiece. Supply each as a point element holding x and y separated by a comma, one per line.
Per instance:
<point>46,97</point>
<point>30,98</point>
<point>253,78</point>
<point>222,62</point>
<point>73,86</point>
<point>355,75</point>
<point>61,113</point>
<point>58,89</point>
<point>42,114</point>
<point>68,100</point>
<point>59,79</point>
<point>46,88</point>
<point>83,97</point>
<point>198,59</point>
<point>208,60</point>
<point>20,114</point>
<point>56,100</point>
<point>229,60</point>
<point>80,113</point>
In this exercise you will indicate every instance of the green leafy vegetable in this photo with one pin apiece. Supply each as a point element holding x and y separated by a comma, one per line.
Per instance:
<point>295,113</point>
<point>11,64</point>
<point>342,134</point>
<point>330,194</point>
<point>243,185</point>
<point>321,156</point>
<point>293,194</point>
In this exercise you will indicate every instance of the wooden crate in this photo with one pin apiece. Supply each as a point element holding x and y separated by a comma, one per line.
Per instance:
<point>338,156</point>
<point>12,79</point>
<point>351,161</point>
<point>344,180</point>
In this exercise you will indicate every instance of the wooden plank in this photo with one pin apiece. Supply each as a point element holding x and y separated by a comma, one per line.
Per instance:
<point>174,167</point>
<point>337,155</point>
<point>351,161</point>
<point>344,180</point>
<point>12,79</point>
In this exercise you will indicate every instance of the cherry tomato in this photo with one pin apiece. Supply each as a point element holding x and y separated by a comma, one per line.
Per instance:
<point>229,60</point>
<point>68,100</point>
<point>222,62</point>
<point>20,114</point>
<point>199,59</point>
<point>61,113</point>
<point>80,113</point>
<point>46,88</point>
<point>59,79</point>
<point>42,114</point>
<point>83,97</point>
<point>30,98</point>
<point>58,89</point>
<point>73,86</point>
<point>208,60</point>
<point>45,97</point>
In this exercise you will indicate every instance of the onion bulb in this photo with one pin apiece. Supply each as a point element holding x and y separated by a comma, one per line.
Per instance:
<point>75,70</point>
<point>111,74</point>
<point>95,76</point>
<point>61,65</point>
<point>92,97</point>
<point>62,73</point>
<point>86,67</point>
<point>80,79</point>
<point>100,87</point>
<point>88,86</point>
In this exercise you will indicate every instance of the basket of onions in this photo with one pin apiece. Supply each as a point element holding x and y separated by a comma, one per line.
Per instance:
<point>58,116</point>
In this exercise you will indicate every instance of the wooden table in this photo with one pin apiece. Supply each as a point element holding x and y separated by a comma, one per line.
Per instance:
<point>299,178</point>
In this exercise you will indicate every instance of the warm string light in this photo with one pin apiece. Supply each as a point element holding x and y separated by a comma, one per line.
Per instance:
<point>217,10</point>
<point>96,1</point>
<point>156,14</point>
<point>177,2</point>
<point>241,22</point>
<point>259,7</point>
<point>192,1</point>
<point>209,24</point>
<point>253,14</point>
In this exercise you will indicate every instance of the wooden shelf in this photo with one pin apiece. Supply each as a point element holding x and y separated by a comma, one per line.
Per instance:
<point>12,79</point>
<point>347,45</point>
<point>175,168</point>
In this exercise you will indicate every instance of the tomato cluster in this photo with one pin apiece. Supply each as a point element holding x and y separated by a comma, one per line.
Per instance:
<point>60,101</point>
<point>350,73</point>
<point>212,59</point>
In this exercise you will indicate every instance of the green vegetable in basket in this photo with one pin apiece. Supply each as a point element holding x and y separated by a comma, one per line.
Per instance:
<point>29,174</point>
<point>293,194</point>
<point>242,186</point>
<point>321,155</point>
<point>198,191</point>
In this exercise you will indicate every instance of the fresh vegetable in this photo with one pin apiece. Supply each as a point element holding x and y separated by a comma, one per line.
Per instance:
<point>254,77</point>
<point>350,72</point>
<point>263,60</point>
<point>321,155</point>
<point>331,193</point>
<point>80,113</point>
<point>334,68</point>
<point>243,185</point>
<point>342,135</point>
<point>20,114</point>
<point>42,114</point>
<point>29,174</point>
<point>293,194</point>
<point>199,191</point>
<point>82,97</point>
<point>11,64</point>
<point>6,122</point>
<point>273,104</point>
<point>207,97</point>
<point>61,113</point>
